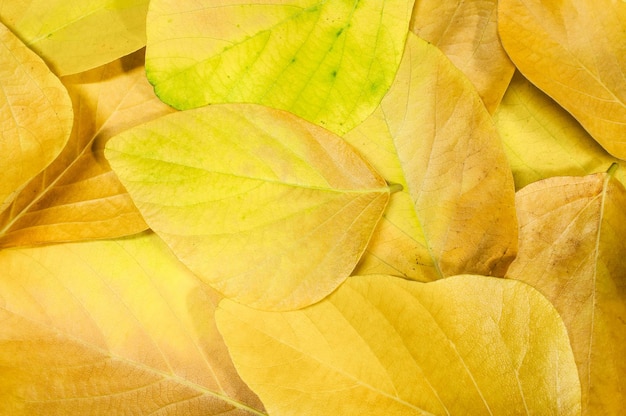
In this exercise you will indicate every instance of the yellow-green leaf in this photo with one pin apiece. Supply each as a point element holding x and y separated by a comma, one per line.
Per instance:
<point>432,135</point>
<point>35,116</point>
<point>111,327</point>
<point>467,32</point>
<point>379,345</point>
<point>74,36</point>
<point>268,208</point>
<point>329,62</point>
<point>575,51</point>
<point>572,250</point>
<point>541,139</point>
<point>77,196</point>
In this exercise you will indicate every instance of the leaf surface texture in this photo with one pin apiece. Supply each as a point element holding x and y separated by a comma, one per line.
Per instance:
<point>77,196</point>
<point>432,135</point>
<point>268,208</point>
<point>329,62</point>
<point>575,51</point>
<point>384,345</point>
<point>111,327</point>
<point>75,36</point>
<point>572,250</point>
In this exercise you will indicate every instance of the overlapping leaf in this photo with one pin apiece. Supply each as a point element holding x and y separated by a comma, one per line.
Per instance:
<point>75,36</point>
<point>433,135</point>
<point>541,139</point>
<point>78,196</point>
<point>111,327</point>
<point>35,116</point>
<point>575,51</point>
<point>572,249</point>
<point>467,32</point>
<point>467,345</point>
<point>268,208</point>
<point>328,62</point>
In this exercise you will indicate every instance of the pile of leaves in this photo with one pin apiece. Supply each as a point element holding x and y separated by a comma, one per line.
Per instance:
<point>301,207</point>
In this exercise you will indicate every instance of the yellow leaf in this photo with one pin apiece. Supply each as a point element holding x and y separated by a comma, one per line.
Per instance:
<point>111,327</point>
<point>379,345</point>
<point>541,139</point>
<point>572,250</point>
<point>432,135</point>
<point>35,116</point>
<point>467,32</point>
<point>329,62</point>
<point>268,208</point>
<point>78,196</point>
<point>575,51</point>
<point>74,36</point>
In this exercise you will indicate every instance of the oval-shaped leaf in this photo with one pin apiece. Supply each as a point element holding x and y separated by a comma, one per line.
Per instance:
<point>77,196</point>
<point>329,62</point>
<point>379,345</point>
<point>541,139</point>
<point>35,116</point>
<point>433,135</point>
<point>111,327</point>
<point>467,32</point>
<point>268,208</point>
<point>575,51</point>
<point>572,250</point>
<point>74,36</point>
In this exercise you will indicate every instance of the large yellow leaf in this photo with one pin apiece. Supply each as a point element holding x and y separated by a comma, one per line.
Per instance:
<point>111,327</point>
<point>35,116</point>
<point>575,51</point>
<point>78,196</point>
<point>467,32</point>
<point>74,36</point>
<point>268,208</point>
<point>380,345</point>
<point>432,135</point>
<point>329,62</point>
<point>572,250</point>
<point>541,139</point>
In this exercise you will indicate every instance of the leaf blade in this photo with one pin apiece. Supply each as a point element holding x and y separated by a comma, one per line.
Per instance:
<point>35,117</point>
<point>77,196</point>
<point>432,135</point>
<point>72,315</point>
<point>329,63</point>
<point>239,191</point>
<point>78,37</point>
<point>376,344</point>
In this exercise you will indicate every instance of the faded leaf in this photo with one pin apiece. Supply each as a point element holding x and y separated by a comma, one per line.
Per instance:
<point>467,345</point>
<point>432,135</point>
<point>541,139</point>
<point>572,250</point>
<point>467,32</point>
<point>575,51</point>
<point>328,62</point>
<point>35,116</point>
<point>111,327</point>
<point>78,197</point>
<point>74,36</point>
<point>268,208</point>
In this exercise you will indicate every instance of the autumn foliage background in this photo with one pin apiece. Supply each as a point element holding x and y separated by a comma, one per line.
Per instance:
<point>297,207</point>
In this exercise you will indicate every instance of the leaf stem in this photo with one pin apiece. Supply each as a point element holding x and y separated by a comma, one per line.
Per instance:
<point>394,187</point>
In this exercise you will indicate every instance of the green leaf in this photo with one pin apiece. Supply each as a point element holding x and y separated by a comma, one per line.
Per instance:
<point>466,345</point>
<point>329,62</point>
<point>266,207</point>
